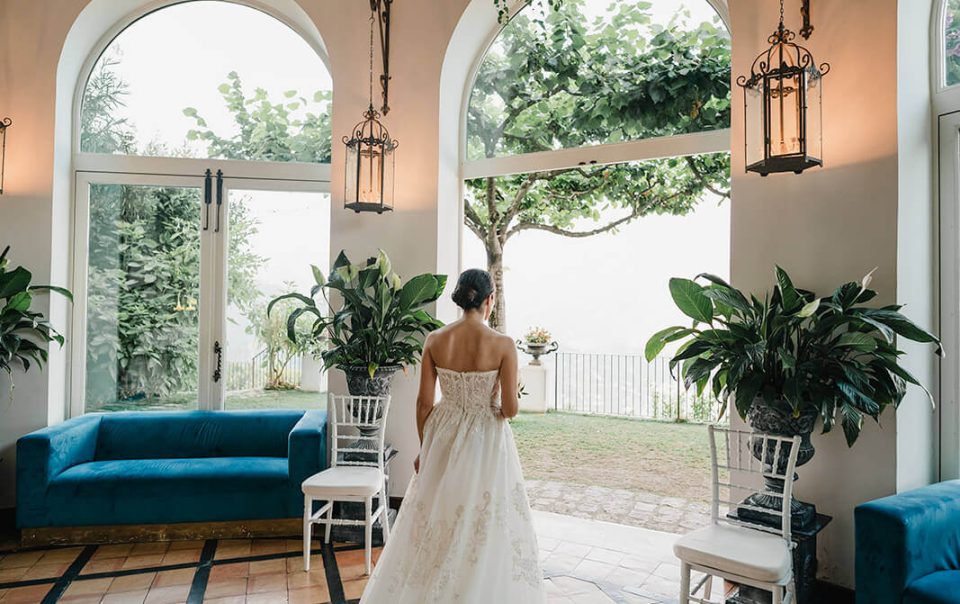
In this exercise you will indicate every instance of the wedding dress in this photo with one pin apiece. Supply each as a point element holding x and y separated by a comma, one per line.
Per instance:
<point>464,533</point>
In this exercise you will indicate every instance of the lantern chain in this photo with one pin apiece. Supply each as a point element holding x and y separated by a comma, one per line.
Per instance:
<point>371,60</point>
<point>781,14</point>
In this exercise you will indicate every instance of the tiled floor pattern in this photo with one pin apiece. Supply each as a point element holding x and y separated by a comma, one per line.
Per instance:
<point>586,562</point>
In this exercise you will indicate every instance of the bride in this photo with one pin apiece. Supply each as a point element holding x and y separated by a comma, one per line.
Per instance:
<point>464,533</point>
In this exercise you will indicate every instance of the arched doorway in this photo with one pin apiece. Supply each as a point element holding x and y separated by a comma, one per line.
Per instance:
<point>201,175</point>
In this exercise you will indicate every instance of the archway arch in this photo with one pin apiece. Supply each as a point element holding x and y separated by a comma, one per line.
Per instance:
<point>271,179</point>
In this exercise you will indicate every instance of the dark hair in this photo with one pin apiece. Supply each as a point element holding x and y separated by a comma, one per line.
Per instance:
<point>473,287</point>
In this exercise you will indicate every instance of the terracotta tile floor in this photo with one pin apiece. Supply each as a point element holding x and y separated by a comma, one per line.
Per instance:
<point>585,562</point>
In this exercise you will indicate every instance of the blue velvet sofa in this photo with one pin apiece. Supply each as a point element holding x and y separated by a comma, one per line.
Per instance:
<point>168,467</point>
<point>908,547</point>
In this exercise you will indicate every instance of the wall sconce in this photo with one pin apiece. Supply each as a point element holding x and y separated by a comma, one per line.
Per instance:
<point>782,106</point>
<point>4,124</point>
<point>370,149</point>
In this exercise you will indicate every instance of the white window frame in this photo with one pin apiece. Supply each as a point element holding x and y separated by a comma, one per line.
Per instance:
<point>96,168</point>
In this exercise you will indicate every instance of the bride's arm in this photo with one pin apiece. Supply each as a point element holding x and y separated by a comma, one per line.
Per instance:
<point>509,381</point>
<point>428,388</point>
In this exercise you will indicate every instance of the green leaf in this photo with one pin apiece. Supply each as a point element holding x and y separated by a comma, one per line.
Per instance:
<point>659,340</point>
<point>858,341</point>
<point>691,300</point>
<point>791,298</point>
<point>418,290</point>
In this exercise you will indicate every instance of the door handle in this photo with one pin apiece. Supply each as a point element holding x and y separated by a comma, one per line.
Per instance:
<point>207,198</point>
<point>219,198</point>
<point>218,372</point>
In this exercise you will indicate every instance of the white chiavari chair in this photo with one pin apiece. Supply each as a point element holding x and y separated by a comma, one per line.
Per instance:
<point>356,473</point>
<point>747,468</point>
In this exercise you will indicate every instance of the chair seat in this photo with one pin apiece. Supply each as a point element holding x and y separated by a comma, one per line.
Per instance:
<point>741,551</point>
<point>356,481</point>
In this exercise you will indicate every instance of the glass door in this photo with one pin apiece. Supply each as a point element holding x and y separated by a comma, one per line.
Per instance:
<point>275,231</point>
<point>949,407</point>
<point>142,259</point>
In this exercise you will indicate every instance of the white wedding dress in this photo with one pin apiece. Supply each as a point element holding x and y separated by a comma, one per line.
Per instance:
<point>464,533</point>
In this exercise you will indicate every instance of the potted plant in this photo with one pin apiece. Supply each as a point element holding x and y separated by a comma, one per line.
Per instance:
<point>375,327</point>
<point>537,342</point>
<point>24,334</point>
<point>793,357</point>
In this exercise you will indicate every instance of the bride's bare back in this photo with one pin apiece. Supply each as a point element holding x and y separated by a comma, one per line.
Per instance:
<point>468,345</point>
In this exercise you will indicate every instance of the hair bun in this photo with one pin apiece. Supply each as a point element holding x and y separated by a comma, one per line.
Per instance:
<point>473,288</point>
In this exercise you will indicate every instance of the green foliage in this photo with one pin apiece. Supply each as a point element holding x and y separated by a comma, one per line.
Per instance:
<point>24,334</point>
<point>380,320</point>
<point>271,331</point>
<point>952,43</point>
<point>556,80</point>
<point>792,351</point>
<point>269,131</point>
<point>143,288</point>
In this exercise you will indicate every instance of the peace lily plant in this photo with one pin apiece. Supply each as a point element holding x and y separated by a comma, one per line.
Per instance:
<point>24,333</point>
<point>375,324</point>
<point>792,355</point>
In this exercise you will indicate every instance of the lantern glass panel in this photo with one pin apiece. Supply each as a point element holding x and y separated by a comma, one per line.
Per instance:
<point>784,113</point>
<point>753,115</point>
<point>351,174</point>
<point>389,160</point>
<point>371,172</point>
<point>814,114</point>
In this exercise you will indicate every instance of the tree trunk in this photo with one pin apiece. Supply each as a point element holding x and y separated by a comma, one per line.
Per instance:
<point>498,318</point>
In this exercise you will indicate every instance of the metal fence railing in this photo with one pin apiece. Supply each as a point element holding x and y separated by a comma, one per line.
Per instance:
<point>256,373</point>
<point>626,385</point>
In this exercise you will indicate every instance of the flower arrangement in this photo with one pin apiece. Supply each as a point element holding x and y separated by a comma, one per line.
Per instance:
<point>537,335</point>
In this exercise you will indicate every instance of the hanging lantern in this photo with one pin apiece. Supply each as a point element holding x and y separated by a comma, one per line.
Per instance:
<point>370,163</point>
<point>782,102</point>
<point>370,150</point>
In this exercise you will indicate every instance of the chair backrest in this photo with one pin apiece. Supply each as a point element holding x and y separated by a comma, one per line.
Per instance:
<point>753,477</point>
<point>357,429</point>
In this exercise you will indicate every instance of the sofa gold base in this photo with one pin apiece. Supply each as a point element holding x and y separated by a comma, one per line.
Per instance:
<point>187,531</point>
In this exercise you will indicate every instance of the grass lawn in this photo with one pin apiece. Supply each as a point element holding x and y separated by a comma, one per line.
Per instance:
<point>662,458</point>
<point>254,399</point>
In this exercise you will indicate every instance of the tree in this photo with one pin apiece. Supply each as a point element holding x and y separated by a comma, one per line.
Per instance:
<point>555,81</point>
<point>271,330</point>
<point>292,130</point>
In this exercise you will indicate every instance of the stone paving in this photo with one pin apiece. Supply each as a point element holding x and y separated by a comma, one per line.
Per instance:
<point>619,506</point>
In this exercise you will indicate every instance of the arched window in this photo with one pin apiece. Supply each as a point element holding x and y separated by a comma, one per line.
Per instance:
<point>583,119</point>
<point>202,191</point>
<point>951,43</point>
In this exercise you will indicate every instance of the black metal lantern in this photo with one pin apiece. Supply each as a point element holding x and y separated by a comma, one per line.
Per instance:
<point>4,124</point>
<point>370,164</point>
<point>370,150</point>
<point>782,107</point>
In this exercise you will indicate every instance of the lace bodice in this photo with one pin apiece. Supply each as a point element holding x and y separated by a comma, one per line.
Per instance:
<point>469,390</point>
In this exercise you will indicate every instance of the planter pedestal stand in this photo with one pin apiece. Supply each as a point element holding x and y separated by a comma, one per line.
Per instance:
<point>804,565</point>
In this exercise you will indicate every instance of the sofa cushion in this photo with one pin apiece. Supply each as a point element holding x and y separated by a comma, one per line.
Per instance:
<point>169,490</point>
<point>166,435</point>
<point>939,588</point>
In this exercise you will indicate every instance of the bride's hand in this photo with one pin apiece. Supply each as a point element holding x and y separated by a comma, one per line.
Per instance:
<point>416,464</point>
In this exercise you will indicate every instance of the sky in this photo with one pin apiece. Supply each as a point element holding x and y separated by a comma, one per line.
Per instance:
<point>606,293</point>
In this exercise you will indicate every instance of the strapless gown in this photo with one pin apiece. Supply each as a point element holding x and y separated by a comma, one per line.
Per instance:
<point>464,533</point>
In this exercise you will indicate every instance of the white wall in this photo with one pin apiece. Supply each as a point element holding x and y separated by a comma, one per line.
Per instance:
<point>838,223</point>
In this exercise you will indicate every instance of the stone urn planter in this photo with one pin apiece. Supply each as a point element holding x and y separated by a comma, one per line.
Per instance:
<point>537,349</point>
<point>769,419</point>
<point>359,383</point>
